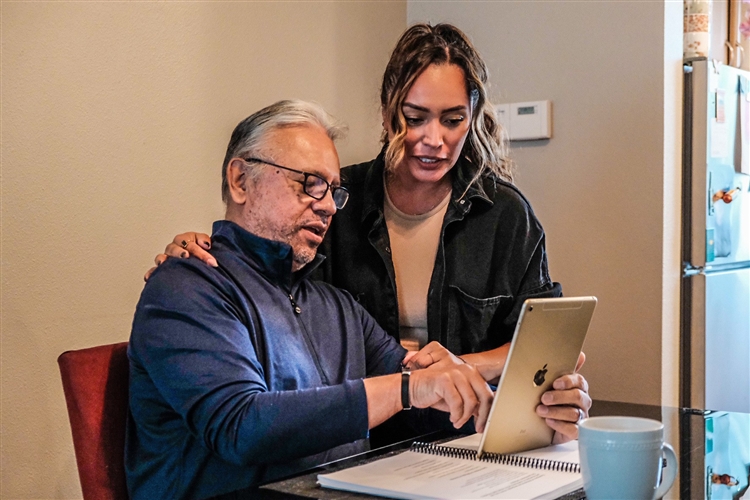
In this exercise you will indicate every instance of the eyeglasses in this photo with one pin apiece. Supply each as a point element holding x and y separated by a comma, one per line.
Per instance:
<point>314,185</point>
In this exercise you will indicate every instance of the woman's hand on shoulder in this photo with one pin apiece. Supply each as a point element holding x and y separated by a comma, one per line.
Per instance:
<point>183,246</point>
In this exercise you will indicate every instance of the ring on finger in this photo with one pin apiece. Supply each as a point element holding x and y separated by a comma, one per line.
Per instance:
<point>184,244</point>
<point>581,415</point>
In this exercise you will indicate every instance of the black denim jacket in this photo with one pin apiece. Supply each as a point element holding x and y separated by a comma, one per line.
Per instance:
<point>490,258</point>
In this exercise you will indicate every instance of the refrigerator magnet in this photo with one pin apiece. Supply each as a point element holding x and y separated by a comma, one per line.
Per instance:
<point>710,255</point>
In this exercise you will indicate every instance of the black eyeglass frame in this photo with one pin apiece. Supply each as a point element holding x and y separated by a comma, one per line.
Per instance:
<point>335,190</point>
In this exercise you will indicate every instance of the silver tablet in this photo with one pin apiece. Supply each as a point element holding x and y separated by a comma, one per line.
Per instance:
<point>548,339</point>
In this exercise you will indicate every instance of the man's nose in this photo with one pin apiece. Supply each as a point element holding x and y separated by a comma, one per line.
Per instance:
<point>325,205</point>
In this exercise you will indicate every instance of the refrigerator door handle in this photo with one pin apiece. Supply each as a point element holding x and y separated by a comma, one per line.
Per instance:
<point>689,270</point>
<point>727,196</point>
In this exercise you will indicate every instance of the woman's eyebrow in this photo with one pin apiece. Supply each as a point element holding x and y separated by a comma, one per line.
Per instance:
<point>460,107</point>
<point>414,106</point>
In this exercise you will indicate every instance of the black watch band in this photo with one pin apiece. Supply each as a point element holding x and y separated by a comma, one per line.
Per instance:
<point>405,399</point>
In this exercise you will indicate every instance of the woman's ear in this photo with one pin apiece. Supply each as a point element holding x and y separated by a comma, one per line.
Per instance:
<point>386,125</point>
<point>237,180</point>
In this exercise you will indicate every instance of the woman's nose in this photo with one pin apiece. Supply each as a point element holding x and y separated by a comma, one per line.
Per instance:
<point>433,134</point>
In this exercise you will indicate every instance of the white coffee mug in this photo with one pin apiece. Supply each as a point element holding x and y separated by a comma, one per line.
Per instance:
<point>621,457</point>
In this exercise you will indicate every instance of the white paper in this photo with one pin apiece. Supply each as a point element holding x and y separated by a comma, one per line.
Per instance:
<point>719,140</point>
<point>414,475</point>
<point>567,452</point>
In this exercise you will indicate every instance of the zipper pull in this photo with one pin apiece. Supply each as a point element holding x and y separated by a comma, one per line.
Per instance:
<point>294,305</point>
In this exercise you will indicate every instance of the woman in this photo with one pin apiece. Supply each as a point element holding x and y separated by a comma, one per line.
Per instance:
<point>436,242</point>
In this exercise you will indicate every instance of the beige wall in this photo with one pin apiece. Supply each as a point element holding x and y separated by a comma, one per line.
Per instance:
<point>115,117</point>
<point>598,185</point>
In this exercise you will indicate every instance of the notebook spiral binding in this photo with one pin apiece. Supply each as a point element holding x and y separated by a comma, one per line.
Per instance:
<point>517,460</point>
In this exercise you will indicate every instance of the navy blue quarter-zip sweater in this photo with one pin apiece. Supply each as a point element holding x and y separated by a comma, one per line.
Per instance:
<point>245,373</point>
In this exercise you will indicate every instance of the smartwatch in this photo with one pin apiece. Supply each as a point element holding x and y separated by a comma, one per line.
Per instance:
<point>405,399</point>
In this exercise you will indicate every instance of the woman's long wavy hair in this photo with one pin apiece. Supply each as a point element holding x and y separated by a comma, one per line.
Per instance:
<point>420,46</point>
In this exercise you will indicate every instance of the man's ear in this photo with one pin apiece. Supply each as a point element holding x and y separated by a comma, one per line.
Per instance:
<point>237,181</point>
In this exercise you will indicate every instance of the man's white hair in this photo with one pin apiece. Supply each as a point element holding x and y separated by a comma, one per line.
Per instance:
<point>250,133</point>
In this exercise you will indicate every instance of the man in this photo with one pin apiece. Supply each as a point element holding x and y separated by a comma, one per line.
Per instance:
<point>249,371</point>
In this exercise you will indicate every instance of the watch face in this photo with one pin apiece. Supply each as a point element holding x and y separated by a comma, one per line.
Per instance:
<point>405,397</point>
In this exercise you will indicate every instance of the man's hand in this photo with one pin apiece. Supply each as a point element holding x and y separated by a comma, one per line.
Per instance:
<point>458,389</point>
<point>567,404</point>
<point>562,408</point>
<point>183,246</point>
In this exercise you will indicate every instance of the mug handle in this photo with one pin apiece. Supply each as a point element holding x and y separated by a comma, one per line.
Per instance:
<point>669,473</point>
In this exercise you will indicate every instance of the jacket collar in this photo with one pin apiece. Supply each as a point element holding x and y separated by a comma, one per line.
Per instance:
<point>271,258</point>
<point>374,193</point>
<point>463,173</point>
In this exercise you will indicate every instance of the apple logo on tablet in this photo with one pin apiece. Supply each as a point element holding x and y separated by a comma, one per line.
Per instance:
<point>539,376</point>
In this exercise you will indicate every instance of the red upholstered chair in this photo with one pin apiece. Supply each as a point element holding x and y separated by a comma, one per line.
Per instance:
<point>95,382</point>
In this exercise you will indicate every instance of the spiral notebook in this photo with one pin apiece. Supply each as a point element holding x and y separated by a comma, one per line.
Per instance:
<point>453,471</point>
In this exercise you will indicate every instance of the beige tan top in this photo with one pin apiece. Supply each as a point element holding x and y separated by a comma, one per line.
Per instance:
<point>414,243</point>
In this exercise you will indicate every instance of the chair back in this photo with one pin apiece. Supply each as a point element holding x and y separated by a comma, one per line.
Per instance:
<point>95,382</point>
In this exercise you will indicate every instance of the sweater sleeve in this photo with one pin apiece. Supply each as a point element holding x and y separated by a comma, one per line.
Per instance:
<point>197,348</point>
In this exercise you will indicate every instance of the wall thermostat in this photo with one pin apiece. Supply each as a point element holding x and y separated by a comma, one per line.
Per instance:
<point>526,121</point>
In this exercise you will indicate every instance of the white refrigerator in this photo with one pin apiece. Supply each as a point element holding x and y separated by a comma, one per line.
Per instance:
<point>715,293</point>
